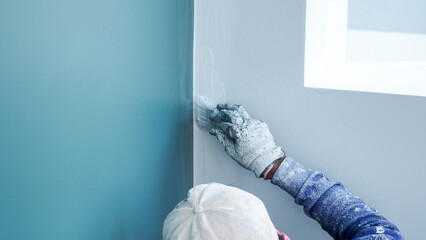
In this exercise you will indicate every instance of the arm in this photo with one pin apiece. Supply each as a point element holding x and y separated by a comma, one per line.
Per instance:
<point>343,215</point>
<point>340,213</point>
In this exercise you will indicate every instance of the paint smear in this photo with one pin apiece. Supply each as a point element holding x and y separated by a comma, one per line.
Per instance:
<point>210,86</point>
<point>211,163</point>
<point>202,110</point>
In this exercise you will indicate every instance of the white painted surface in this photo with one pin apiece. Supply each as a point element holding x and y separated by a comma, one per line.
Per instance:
<point>336,58</point>
<point>374,143</point>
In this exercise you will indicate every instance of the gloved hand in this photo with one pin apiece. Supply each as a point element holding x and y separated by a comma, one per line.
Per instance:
<point>248,141</point>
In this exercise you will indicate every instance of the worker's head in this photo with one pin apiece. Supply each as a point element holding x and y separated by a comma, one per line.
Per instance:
<point>217,211</point>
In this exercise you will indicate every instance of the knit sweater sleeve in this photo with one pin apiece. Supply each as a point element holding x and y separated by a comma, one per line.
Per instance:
<point>340,213</point>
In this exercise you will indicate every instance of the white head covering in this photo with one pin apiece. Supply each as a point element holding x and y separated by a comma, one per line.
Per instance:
<point>218,212</point>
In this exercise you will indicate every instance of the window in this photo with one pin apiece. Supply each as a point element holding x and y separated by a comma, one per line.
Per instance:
<point>366,45</point>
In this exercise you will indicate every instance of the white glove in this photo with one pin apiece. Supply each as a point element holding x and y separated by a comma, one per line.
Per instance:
<point>248,141</point>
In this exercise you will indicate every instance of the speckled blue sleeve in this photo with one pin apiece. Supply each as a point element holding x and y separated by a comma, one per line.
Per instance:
<point>340,213</point>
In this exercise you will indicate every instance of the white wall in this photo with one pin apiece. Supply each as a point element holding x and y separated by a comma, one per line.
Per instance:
<point>375,144</point>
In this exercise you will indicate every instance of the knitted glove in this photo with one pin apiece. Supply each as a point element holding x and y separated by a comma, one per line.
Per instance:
<point>248,141</point>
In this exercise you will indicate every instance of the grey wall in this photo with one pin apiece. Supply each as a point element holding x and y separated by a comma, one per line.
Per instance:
<point>95,117</point>
<point>374,143</point>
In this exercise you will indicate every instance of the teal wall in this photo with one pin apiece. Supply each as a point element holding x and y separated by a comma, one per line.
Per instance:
<point>94,117</point>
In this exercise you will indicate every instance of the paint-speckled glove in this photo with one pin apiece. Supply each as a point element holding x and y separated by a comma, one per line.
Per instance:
<point>248,141</point>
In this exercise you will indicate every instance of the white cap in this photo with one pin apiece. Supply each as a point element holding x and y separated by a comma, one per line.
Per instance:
<point>218,212</point>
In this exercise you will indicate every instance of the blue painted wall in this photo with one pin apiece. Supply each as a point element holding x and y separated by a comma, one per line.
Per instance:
<point>93,103</point>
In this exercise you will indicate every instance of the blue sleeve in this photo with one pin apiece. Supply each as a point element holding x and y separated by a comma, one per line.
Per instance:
<point>340,213</point>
